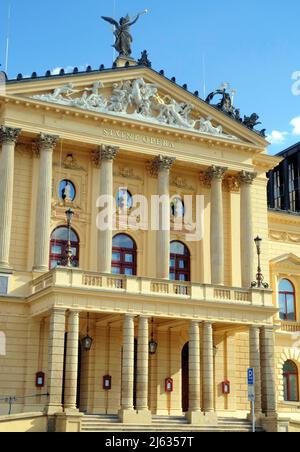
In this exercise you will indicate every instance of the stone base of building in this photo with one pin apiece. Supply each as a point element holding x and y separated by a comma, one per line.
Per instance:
<point>68,423</point>
<point>270,424</point>
<point>143,417</point>
<point>200,418</point>
<point>258,418</point>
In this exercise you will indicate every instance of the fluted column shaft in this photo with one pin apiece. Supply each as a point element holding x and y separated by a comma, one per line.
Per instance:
<point>143,364</point>
<point>46,145</point>
<point>194,368</point>
<point>246,179</point>
<point>8,138</point>
<point>208,368</point>
<point>71,371</point>
<point>107,155</point>
<point>267,349</point>
<point>56,346</point>
<point>255,364</point>
<point>128,363</point>
<point>163,165</point>
<point>216,175</point>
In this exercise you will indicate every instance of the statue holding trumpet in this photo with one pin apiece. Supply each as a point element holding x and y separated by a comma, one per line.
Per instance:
<point>122,32</point>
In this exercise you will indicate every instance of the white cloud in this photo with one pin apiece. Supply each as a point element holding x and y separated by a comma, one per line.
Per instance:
<point>68,69</point>
<point>295,123</point>
<point>276,137</point>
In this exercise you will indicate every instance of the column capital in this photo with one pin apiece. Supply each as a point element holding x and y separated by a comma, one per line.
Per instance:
<point>216,172</point>
<point>9,134</point>
<point>104,153</point>
<point>246,177</point>
<point>108,152</point>
<point>73,312</point>
<point>57,310</point>
<point>47,142</point>
<point>161,163</point>
<point>130,316</point>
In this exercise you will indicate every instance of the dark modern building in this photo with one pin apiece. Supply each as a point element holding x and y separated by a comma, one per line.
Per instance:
<point>284,181</point>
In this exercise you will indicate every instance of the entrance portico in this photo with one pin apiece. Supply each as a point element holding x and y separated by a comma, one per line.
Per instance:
<point>137,376</point>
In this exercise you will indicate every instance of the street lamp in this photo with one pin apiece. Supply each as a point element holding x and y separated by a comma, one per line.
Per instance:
<point>259,283</point>
<point>69,216</point>
<point>152,344</point>
<point>87,341</point>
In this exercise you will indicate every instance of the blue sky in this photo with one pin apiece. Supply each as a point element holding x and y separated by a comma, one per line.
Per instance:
<point>255,46</point>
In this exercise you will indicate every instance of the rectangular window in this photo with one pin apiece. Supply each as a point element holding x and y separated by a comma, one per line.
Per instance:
<point>56,249</point>
<point>128,258</point>
<point>182,265</point>
<point>277,190</point>
<point>116,270</point>
<point>293,383</point>
<point>3,285</point>
<point>128,271</point>
<point>290,307</point>
<point>116,257</point>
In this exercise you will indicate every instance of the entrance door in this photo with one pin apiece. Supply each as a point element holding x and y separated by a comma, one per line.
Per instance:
<point>185,377</point>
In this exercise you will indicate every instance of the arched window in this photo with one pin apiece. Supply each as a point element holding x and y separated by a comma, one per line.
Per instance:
<point>179,262</point>
<point>124,259</point>
<point>287,300</point>
<point>2,344</point>
<point>290,382</point>
<point>59,245</point>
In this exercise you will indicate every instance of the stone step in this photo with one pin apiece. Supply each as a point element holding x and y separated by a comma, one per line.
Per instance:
<point>111,423</point>
<point>171,429</point>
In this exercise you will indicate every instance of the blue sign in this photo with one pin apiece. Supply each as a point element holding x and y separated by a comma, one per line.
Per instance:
<point>250,377</point>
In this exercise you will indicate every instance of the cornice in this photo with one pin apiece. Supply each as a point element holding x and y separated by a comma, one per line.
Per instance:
<point>266,162</point>
<point>137,126</point>
<point>281,217</point>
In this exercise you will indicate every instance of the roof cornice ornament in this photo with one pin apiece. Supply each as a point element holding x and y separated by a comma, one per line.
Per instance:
<point>226,106</point>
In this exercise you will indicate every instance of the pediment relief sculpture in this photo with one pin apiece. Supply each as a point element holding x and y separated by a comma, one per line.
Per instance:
<point>138,100</point>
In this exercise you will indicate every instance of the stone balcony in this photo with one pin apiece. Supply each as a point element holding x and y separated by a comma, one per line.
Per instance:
<point>65,278</point>
<point>290,326</point>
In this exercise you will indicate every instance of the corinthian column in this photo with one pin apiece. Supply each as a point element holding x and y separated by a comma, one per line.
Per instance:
<point>246,179</point>
<point>106,154</point>
<point>8,138</point>
<point>161,166</point>
<point>46,145</point>
<point>215,175</point>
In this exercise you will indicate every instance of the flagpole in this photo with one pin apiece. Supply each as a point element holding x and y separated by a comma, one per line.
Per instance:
<point>8,38</point>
